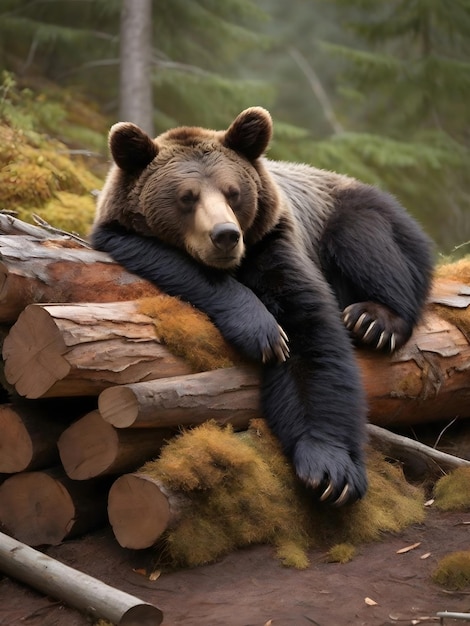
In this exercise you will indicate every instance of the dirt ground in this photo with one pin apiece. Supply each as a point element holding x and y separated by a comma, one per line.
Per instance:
<point>251,588</point>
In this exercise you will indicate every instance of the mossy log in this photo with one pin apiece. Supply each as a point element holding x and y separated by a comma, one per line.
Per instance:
<point>141,507</point>
<point>80,349</point>
<point>46,507</point>
<point>58,270</point>
<point>91,447</point>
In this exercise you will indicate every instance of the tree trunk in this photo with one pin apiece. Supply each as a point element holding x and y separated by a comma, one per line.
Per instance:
<point>136,99</point>
<point>80,349</point>
<point>91,447</point>
<point>46,507</point>
<point>34,270</point>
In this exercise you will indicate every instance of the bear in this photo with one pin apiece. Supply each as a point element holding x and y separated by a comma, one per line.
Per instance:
<point>295,265</point>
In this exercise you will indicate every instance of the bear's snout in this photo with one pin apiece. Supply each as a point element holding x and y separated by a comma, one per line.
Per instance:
<point>225,236</point>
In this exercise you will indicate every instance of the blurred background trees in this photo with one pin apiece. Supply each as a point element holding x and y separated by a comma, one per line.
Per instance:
<point>378,89</point>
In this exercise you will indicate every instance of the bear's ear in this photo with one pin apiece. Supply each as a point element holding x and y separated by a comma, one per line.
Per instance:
<point>131,148</point>
<point>250,133</point>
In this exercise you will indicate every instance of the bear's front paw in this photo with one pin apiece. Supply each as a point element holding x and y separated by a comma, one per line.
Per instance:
<point>260,339</point>
<point>376,325</point>
<point>335,474</point>
<point>275,348</point>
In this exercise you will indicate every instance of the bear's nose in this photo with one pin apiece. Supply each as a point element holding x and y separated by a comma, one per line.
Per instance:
<point>225,236</point>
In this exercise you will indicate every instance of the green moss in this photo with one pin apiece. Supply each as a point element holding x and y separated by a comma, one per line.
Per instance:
<point>452,492</point>
<point>341,553</point>
<point>37,176</point>
<point>453,571</point>
<point>241,490</point>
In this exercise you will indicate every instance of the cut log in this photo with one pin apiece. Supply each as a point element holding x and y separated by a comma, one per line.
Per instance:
<point>75,588</point>
<point>426,380</point>
<point>141,508</point>
<point>91,447</point>
<point>46,507</point>
<point>80,349</point>
<point>228,395</point>
<point>40,270</point>
<point>29,434</point>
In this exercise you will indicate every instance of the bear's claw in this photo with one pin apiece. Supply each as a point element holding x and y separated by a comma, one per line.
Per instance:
<point>335,474</point>
<point>376,325</point>
<point>279,351</point>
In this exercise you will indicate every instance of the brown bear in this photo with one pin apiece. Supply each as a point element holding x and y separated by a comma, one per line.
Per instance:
<point>290,262</point>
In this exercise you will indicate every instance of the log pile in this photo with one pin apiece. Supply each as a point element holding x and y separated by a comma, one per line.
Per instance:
<point>93,392</point>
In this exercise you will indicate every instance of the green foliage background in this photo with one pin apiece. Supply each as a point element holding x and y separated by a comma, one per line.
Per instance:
<point>378,89</point>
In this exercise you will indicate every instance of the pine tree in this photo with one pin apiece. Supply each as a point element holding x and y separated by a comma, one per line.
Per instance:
<point>409,88</point>
<point>195,74</point>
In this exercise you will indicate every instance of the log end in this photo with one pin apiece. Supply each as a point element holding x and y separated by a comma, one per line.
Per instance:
<point>138,511</point>
<point>16,447</point>
<point>36,509</point>
<point>118,406</point>
<point>88,447</point>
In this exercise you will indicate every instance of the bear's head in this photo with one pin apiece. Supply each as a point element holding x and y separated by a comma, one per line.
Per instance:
<point>204,191</point>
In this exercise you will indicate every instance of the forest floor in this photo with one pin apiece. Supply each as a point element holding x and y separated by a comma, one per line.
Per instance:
<point>251,588</point>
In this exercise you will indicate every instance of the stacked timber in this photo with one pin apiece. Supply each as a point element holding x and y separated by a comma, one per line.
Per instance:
<point>93,392</point>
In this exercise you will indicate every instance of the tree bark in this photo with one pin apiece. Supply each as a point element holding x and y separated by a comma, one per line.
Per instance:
<point>91,447</point>
<point>34,270</point>
<point>226,395</point>
<point>136,96</point>
<point>77,589</point>
<point>46,507</point>
<point>80,349</point>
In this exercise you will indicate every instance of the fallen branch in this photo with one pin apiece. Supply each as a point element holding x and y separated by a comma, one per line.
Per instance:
<point>404,448</point>
<point>73,587</point>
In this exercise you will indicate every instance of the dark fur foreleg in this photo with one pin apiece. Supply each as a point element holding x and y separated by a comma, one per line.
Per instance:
<point>240,316</point>
<point>314,402</point>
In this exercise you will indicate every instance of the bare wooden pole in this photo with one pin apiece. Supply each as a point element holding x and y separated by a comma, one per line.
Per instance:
<point>73,587</point>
